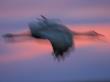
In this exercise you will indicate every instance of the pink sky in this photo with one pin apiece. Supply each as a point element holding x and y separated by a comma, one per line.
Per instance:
<point>32,60</point>
<point>74,9</point>
<point>31,49</point>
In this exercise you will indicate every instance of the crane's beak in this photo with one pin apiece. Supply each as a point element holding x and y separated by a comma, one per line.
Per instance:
<point>101,35</point>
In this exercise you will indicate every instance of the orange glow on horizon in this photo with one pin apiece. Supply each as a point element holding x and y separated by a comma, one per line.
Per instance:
<point>31,49</point>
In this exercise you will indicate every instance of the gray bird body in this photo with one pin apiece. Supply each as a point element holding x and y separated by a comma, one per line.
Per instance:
<point>59,35</point>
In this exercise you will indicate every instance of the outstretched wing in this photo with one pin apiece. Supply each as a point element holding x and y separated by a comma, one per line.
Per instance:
<point>61,41</point>
<point>59,35</point>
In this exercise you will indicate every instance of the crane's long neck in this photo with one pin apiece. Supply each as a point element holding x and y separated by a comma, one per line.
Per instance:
<point>89,33</point>
<point>80,33</point>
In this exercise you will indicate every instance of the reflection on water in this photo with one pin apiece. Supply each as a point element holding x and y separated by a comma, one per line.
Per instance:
<point>32,60</point>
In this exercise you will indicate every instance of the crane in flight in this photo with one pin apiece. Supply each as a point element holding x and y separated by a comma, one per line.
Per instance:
<point>60,37</point>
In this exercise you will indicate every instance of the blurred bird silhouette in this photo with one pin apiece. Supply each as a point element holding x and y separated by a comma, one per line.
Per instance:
<point>60,37</point>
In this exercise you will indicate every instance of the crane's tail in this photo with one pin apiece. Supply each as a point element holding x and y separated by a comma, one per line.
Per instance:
<point>9,37</point>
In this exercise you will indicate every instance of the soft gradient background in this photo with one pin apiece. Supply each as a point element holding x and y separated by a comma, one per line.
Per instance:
<point>32,60</point>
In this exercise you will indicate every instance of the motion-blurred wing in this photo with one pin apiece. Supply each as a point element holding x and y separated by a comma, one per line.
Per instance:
<point>59,36</point>
<point>60,41</point>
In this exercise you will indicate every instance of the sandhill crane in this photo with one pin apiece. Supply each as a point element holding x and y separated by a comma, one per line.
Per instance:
<point>60,37</point>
